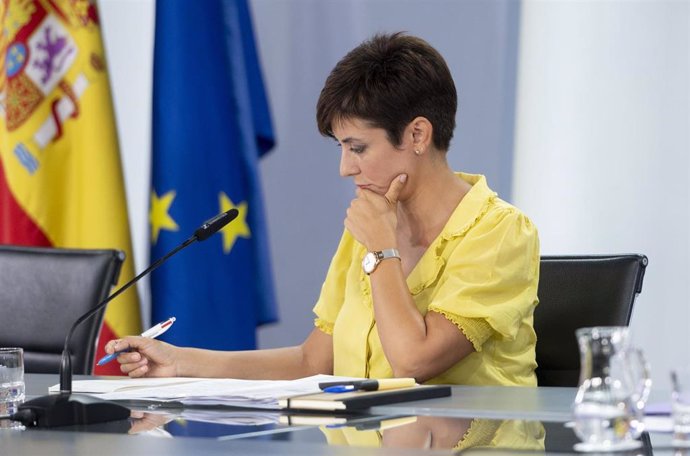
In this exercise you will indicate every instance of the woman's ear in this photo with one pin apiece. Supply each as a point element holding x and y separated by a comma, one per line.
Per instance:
<point>422,132</point>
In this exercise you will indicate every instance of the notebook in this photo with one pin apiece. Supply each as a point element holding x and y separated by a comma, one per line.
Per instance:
<point>358,400</point>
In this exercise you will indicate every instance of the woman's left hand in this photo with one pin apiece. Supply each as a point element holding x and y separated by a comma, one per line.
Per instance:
<point>372,218</point>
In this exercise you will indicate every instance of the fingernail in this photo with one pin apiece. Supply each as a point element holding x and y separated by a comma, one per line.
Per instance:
<point>403,178</point>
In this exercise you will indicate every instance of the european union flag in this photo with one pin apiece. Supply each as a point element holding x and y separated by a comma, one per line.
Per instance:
<point>211,123</point>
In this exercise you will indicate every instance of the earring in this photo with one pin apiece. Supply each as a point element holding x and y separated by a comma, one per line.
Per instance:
<point>417,152</point>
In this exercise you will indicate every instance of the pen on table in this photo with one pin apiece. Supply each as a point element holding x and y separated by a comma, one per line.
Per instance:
<point>151,333</point>
<point>367,385</point>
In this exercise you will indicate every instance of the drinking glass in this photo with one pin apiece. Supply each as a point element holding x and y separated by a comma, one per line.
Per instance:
<point>11,377</point>
<point>614,387</point>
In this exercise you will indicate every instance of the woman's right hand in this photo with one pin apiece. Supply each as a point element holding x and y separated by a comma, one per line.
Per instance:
<point>145,357</point>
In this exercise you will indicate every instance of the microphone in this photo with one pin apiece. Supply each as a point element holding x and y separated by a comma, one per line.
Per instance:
<point>67,409</point>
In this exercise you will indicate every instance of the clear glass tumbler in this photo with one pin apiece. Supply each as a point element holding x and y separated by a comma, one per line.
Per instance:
<point>11,377</point>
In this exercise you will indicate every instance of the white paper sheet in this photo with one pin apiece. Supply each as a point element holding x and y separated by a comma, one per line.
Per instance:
<point>202,391</point>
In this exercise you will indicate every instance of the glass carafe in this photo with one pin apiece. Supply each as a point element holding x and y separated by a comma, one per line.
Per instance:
<point>614,387</point>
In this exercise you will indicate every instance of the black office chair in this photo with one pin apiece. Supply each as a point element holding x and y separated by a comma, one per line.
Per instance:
<point>43,291</point>
<point>577,292</point>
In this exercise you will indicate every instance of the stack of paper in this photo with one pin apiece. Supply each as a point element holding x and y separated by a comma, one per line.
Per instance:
<point>202,391</point>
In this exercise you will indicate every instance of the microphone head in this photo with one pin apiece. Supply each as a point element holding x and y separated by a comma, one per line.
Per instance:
<point>215,224</point>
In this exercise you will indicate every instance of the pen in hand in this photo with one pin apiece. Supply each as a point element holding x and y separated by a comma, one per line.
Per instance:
<point>151,333</point>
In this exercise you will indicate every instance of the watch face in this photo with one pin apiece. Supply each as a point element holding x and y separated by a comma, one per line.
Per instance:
<point>369,262</point>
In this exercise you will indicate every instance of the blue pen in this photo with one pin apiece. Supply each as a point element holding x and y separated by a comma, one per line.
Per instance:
<point>339,389</point>
<point>367,385</point>
<point>151,333</point>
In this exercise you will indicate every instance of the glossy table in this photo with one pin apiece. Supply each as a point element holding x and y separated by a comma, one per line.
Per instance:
<point>499,420</point>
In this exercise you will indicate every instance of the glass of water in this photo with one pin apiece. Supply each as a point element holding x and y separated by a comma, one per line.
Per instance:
<point>11,378</point>
<point>680,406</point>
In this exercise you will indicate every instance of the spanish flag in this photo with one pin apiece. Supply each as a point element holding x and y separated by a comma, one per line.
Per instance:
<point>61,178</point>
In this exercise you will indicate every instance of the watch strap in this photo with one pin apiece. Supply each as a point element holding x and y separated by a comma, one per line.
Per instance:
<point>387,253</point>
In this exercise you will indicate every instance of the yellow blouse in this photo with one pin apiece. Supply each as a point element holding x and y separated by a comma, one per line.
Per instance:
<point>481,273</point>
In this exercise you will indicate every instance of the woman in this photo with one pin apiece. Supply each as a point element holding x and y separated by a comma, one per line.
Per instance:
<point>435,277</point>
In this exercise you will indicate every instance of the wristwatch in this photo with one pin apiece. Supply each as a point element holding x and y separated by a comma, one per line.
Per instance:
<point>372,259</point>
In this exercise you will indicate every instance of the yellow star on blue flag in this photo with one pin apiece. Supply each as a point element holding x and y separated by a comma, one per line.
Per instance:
<point>159,214</point>
<point>239,227</point>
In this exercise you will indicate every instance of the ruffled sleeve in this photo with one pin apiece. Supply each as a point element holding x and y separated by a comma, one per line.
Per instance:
<point>333,289</point>
<point>490,280</point>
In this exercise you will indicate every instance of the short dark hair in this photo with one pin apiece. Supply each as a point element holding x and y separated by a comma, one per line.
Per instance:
<point>387,81</point>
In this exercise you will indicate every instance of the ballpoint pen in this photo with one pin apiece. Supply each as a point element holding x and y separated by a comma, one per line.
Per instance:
<point>367,385</point>
<point>151,333</point>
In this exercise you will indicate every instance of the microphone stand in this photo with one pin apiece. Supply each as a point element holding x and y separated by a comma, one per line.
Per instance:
<point>66,361</point>
<point>65,408</point>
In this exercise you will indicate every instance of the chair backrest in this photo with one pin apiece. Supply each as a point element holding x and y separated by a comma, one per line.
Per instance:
<point>42,293</point>
<point>577,292</point>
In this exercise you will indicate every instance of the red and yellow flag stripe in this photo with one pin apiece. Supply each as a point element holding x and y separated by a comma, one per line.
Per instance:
<point>61,181</point>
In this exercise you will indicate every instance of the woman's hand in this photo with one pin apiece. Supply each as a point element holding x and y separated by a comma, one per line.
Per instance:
<point>145,357</point>
<point>372,218</point>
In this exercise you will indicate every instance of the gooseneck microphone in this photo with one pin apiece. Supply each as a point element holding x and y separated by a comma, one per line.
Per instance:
<point>66,409</point>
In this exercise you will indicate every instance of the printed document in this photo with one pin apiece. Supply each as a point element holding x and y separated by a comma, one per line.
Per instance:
<point>202,391</point>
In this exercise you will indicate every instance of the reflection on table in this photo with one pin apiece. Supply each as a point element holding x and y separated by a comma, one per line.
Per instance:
<point>427,432</point>
<point>209,423</point>
<point>420,432</point>
<point>239,429</point>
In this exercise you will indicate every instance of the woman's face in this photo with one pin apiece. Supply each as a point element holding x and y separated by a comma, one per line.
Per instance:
<point>369,157</point>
